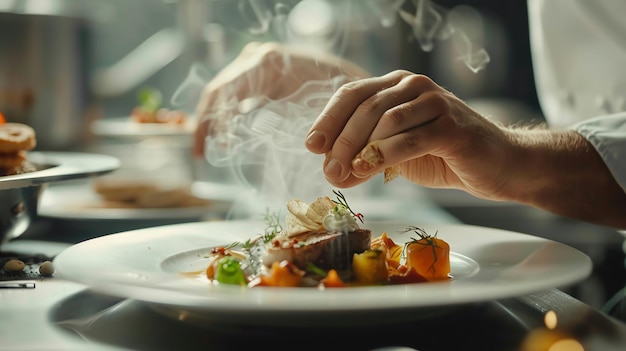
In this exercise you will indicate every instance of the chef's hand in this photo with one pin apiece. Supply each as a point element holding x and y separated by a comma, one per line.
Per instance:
<point>263,71</point>
<point>405,123</point>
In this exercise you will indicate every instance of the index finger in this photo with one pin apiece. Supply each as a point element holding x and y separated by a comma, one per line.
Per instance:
<point>340,108</point>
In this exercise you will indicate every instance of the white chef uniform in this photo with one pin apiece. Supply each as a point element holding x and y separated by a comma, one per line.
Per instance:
<point>579,60</point>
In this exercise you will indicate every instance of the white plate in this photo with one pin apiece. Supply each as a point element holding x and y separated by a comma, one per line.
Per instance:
<point>78,201</point>
<point>57,166</point>
<point>147,265</point>
<point>126,128</point>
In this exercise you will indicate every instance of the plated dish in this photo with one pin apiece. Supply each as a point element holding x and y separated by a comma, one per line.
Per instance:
<point>125,127</point>
<point>57,166</point>
<point>148,265</point>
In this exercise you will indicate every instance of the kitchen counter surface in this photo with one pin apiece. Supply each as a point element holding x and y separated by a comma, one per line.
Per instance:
<point>61,315</point>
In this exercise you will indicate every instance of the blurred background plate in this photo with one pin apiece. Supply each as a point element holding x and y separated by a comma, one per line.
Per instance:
<point>125,127</point>
<point>78,201</point>
<point>58,166</point>
<point>75,211</point>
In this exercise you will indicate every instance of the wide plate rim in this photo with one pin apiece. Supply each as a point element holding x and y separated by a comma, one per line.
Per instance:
<point>162,288</point>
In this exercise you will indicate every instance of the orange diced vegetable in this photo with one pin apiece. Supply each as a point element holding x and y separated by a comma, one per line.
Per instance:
<point>429,256</point>
<point>283,274</point>
<point>332,280</point>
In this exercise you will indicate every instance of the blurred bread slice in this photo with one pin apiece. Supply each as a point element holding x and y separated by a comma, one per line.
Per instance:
<point>122,190</point>
<point>144,194</point>
<point>162,198</point>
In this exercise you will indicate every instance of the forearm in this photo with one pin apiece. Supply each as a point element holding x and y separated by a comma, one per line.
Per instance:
<point>561,172</point>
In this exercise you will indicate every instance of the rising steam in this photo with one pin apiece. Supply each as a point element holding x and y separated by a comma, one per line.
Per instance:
<point>263,147</point>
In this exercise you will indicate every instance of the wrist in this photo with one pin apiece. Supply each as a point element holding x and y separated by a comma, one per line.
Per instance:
<point>559,171</point>
<point>546,164</point>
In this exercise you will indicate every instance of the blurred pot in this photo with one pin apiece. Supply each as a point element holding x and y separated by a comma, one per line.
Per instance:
<point>47,80</point>
<point>44,76</point>
<point>18,208</point>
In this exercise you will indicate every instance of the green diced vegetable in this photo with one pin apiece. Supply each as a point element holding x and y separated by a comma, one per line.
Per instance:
<point>229,271</point>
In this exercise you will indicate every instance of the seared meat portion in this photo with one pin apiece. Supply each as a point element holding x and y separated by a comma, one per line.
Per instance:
<point>325,250</point>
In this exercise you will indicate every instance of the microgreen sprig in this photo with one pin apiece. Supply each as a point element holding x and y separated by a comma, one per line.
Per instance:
<point>341,200</point>
<point>273,225</point>
<point>430,239</point>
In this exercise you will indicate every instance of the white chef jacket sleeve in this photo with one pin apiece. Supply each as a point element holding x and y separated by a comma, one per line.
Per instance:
<point>607,134</point>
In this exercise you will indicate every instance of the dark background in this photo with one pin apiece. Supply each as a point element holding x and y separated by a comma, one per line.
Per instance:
<point>508,21</point>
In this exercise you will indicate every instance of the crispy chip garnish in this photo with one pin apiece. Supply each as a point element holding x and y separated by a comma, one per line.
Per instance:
<point>319,209</point>
<point>298,210</point>
<point>303,217</point>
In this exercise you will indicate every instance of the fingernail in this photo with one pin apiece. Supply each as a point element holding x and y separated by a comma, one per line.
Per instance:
<point>333,169</point>
<point>316,139</point>
<point>360,167</point>
<point>371,155</point>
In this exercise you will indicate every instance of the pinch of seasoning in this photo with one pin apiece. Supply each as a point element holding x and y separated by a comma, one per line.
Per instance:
<point>14,266</point>
<point>46,268</point>
<point>392,173</point>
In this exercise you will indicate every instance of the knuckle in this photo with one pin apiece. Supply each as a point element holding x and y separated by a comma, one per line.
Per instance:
<point>437,100</point>
<point>448,122</point>
<point>266,48</point>
<point>345,143</point>
<point>418,82</point>
<point>396,117</point>
<point>349,90</point>
<point>271,55</point>
<point>401,73</point>
<point>251,47</point>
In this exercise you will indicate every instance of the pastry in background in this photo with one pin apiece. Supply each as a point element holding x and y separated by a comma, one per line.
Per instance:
<point>15,140</point>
